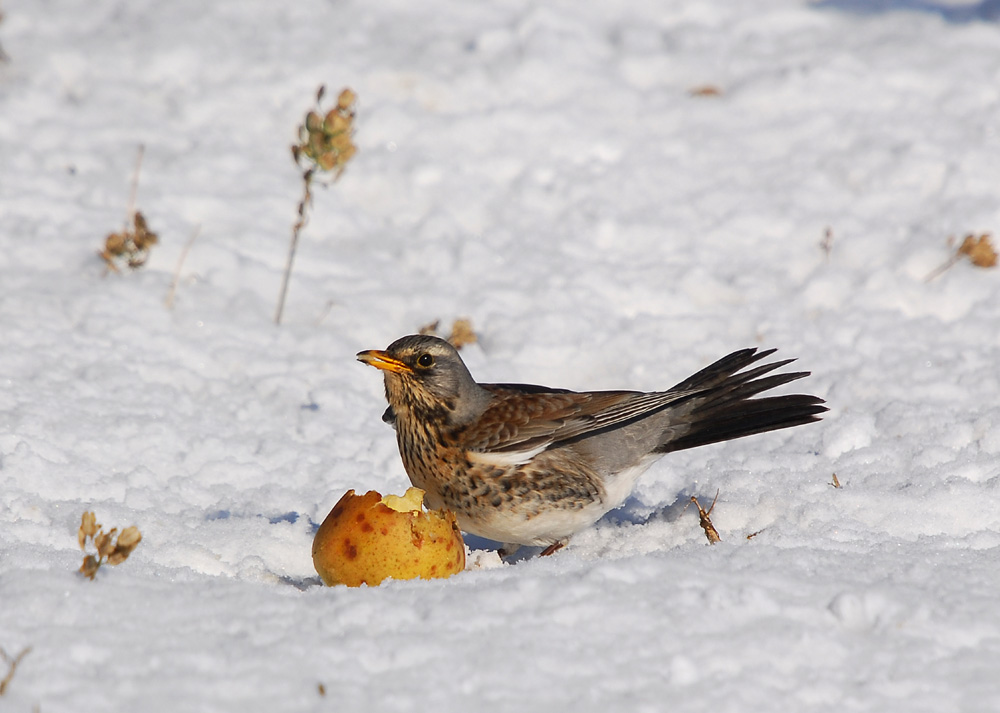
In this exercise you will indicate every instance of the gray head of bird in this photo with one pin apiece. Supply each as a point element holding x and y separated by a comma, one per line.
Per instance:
<point>425,377</point>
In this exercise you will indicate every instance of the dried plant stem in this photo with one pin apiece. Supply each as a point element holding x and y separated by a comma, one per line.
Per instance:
<point>12,662</point>
<point>705,521</point>
<point>4,57</point>
<point>940,270</point>
<point>826,244</point>
<point>326,311</point>
<point>294,242</point>
<point>180,263</point>
<point>130,214</point>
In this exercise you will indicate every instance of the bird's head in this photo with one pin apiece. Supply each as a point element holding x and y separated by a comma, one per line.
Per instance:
<point>425,377</point>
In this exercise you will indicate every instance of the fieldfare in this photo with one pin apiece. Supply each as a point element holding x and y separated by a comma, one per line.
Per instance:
<point>532,465</point>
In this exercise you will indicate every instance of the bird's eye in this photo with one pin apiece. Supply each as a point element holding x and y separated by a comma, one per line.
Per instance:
<point>425,360</point>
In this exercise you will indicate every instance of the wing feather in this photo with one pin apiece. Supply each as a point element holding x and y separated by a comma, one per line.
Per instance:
<point>519,424</point>
<point>523,420</point>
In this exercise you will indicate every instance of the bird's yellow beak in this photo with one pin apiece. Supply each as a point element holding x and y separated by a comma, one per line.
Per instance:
<point>381,360</point>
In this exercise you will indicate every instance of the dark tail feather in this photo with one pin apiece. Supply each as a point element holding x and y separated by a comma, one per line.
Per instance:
<point>724,409</point>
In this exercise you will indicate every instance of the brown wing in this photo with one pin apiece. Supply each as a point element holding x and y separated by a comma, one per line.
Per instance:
<point>526,419</point>
<point>518,419</point>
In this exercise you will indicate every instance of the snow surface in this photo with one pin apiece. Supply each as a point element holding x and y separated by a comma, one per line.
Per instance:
<point>546,171</point>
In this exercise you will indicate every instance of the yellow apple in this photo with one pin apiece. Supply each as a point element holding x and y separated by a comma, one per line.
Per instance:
<point>367,538</point>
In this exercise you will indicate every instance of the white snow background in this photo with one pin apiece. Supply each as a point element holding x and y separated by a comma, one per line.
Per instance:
<point>547,172</point>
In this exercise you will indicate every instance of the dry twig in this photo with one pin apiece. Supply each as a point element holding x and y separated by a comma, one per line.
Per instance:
<point>4,57</point>
<point>325,145</point>
<point>826,244</point>
<point>180,263</point>
<point>978,249</point>
<point>130,246</point>
<point>705,521</point>
<point>12,663</point>
<point>705,90</point>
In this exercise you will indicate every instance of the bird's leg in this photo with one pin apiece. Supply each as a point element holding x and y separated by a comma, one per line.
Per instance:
<point>554,547</point>
<point>508,549</point>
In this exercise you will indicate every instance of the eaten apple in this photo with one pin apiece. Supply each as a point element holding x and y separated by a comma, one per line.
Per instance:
<point>369,538</point>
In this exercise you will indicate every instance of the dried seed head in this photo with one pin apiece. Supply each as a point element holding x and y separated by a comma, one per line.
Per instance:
<point>326,141</point>
<point>347,153</point>
<point>88,528</point>
<point>462,333</point>
<point>430,328</point>
<point>104,542</point>
<point>130,537</point>
<point>128,540</point>
<point>346,99</point>
<point>115,243</point>
<point>327,161</point>
<point>313,122</point>
<point>90,566</point>
<point>979,250</point>
<point>336,122</point>
<point>145,239</point>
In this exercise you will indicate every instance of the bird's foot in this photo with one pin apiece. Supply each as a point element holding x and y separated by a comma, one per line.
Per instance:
<point>554,547</point>
<point>508,549</point>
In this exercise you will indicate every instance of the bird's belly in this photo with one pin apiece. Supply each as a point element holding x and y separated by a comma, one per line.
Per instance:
<point>618,486</point>
<point>540,503</point>
<point>549,525</point>
<point>546,527</point>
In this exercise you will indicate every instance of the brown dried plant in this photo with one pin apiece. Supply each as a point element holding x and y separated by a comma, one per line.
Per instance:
<point>130,246</point>
<point>4,57</point>
<point>109,549</point>
<point>826,244</point>
<point>705,521</point>
<point>705,90</point>
<point>12,664</point>
<point>325,146</point>
<point>462,332</point>
<point>172,291</point>
<point>977,248</point>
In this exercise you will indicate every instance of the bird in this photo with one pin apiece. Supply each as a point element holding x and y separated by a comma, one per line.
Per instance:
<point>522,464</point>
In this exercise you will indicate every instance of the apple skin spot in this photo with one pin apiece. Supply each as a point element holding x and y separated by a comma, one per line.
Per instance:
<point>365,541</point>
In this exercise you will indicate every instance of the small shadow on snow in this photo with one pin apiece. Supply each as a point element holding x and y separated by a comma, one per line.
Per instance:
<point>632,512</point>
<point>636,512</point>
<point>289,517</point>
<point>301,583</point>
<point>986,10</point>
<point>525,552</point>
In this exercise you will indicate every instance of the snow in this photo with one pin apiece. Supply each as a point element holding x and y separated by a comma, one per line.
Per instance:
<point>546,171</point>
